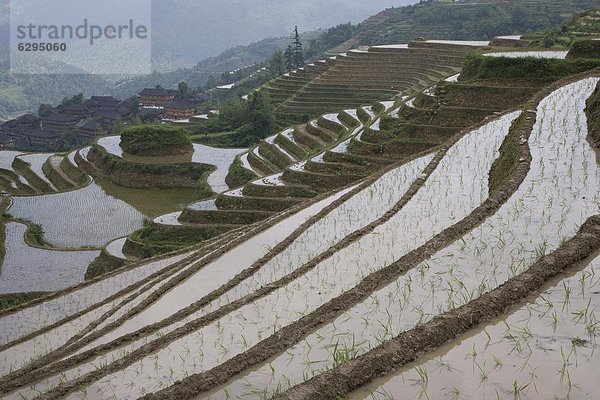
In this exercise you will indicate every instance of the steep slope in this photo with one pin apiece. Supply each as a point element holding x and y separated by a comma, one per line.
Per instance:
<point>466,20</point>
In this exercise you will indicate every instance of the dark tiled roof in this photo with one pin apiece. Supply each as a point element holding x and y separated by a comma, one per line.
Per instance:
<point>59,117</point>
<point>72,107</point>
<point>158,92</point>
<point>27,118</point>
<point>102,101</point>
<point>109,114</point>
<point>89,124</point>
<point>200,97</point>
<point>179,105</point>
<point>41,133</point>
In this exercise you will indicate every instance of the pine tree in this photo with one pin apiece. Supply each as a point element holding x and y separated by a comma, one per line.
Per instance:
<point>297,50</point>
<point>289,59</point>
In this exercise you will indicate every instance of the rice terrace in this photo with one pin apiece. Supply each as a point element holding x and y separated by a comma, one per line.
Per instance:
<point>403,208</point>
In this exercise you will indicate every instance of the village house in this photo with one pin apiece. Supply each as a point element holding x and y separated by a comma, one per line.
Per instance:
<point>38,137</point>
<point>179,110</point>
<point>74,110</point>
<point>58,122</point>
<point>102,103</point>
<point>89,128</point>
<point>17,129</point>
<point>25,131</point>
<point>156,97</point>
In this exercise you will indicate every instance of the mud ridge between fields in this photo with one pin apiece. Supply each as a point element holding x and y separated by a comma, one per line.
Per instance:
<point>498,198</point>
<point>130,288</point>
<point>421,340</point>
<point>414,343</point>
<point>295,332</point>
<point>42,368</point>
<point>25,375</point>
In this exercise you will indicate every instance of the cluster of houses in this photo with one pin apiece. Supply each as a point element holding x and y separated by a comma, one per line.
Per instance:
<point>169,105</point>
<point>89,119</point>
<point>94,117</point>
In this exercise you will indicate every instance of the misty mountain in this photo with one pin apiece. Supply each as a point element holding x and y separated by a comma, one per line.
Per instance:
<point>185,32</point>
<point>191,30</point>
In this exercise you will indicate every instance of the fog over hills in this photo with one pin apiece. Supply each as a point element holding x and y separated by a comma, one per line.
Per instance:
<point>188,31</point>
<point>191,30</point>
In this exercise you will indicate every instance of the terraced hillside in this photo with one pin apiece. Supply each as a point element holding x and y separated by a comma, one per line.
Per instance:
<point>464,20</point>
<point>368,238</point>
<point>361,77</point>
<point>65,216</point>
<point>300,163</point>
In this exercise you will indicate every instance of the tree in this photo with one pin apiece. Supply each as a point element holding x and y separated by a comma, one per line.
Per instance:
<point>277,63</point>
<point>261,122</point>
<point>297,50</point>
<point>118,126</point>
<point>211,82</point>
<point>183,89</point>
<point>75,99</point>
<point>261,114</point>
<point>289,59</point>
<point>44,109</point>
<point>233,114</point>
<point>134,106</point>
<point>136,120</point>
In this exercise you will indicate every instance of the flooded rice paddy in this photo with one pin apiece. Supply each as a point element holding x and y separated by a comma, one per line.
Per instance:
<point>79,218</point>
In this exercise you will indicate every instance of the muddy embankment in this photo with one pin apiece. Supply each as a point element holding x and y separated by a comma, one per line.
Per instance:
<point>145,176</point>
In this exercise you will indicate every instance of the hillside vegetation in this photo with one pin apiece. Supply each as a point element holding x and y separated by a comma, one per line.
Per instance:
<point>155,140</point>
<point>468,20</point>
<point>538,69</point>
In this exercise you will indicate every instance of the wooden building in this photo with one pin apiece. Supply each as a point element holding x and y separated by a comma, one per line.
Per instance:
<point>156,97</point>
<point>178,110</point>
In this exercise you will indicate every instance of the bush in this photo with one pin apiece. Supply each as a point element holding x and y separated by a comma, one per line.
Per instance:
<point>238,175</point>
<point>479,67</point>
<point>11,300</point>
<point>585,49</point>
<point>155,140</point>
<point>35,235</point>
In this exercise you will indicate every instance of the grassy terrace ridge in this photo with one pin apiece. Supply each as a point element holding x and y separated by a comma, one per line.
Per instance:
<point>131,174</point>
<point>506,164</point>
<point>155,140</point>
<point>593,113</point>
<point>585,49</point>
<point>483,68</point>
<point>238,175</point>
<point>37,183</point>
<point>103,264</point>
<point>4,203</point>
